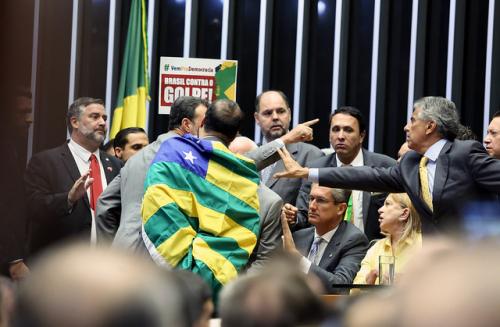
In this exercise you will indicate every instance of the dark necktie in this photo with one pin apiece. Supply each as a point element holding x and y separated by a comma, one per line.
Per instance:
<point>96,187</point>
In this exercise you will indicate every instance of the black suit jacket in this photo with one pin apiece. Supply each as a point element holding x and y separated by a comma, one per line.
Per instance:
<point>371,202</point>
<point>464,172</point>
<point>48,179</point>
<point>342,257</point>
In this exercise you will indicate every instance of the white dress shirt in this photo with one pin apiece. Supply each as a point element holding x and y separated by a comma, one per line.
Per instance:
<point>82,159</point>
<point>432,154</point>
<point>357,196</point>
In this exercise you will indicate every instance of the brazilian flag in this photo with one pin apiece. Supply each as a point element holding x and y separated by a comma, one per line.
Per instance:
<point>200,211</point>
<point>133,90</point>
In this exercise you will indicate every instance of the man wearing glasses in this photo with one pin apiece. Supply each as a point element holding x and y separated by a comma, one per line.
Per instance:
<point>333,248</point>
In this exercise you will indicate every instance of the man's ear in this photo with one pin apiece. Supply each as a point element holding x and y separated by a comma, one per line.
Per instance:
<point>342,208</point>
<point>186,125</point>
<point>203,122</point>
<point>431,127</point>
<point>74,122</point>
<point>256,116</point>
<point>362,137</point>
<point>118,152</point>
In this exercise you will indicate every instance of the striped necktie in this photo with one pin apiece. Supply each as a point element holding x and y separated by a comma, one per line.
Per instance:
<point>314,250</point>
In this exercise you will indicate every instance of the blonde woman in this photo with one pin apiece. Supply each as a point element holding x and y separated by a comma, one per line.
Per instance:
<point>400,223</point>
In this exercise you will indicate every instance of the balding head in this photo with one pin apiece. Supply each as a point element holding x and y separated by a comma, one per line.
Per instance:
<point>242,145</point>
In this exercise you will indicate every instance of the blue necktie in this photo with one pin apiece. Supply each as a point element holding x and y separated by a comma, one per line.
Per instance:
<point>314,249</point>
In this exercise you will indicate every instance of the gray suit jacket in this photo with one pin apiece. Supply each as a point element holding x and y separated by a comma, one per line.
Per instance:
<point>464,172</point>
<point>270,227</point>
<point>118,212</point>
<point>288,188</point>
<point>371,204</point>
<point>342,257</point>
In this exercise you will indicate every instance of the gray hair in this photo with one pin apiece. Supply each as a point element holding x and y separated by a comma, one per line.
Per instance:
<point>76,109</point>
<point>443,112</point>
<point>341,195</point>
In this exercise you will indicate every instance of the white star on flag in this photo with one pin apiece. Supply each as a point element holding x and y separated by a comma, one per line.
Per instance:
<point>189,156</point>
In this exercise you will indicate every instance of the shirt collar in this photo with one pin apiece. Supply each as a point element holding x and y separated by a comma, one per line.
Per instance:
<point>357,162</point>
<point>433,152</point>
<point>327,236</point>
<point>81,152</point>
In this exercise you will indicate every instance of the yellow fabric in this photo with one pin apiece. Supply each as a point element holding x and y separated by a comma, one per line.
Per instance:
<point>176,246</point>
<point>231,91</point>
<point>403,254</point>
<point>240,187</point>
<point>223,269</point>
<point>213,222</point>
<point>132,114</point>
<point>424,182</point>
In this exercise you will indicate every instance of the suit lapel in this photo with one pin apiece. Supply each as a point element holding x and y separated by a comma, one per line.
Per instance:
<point>293,149</point>
<point>333,246</point>
<point>304,244</point>
<point>72,168</point>
<point>441,175</point>
<point>107,165</point>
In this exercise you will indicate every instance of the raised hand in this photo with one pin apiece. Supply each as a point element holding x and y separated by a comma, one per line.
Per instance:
<point>300,133</point>
<point>290,212</point>
<point>79,188</point>
<point>292,168</point>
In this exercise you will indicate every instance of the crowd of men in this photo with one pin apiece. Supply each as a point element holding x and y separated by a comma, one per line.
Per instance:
<point>319,210</point>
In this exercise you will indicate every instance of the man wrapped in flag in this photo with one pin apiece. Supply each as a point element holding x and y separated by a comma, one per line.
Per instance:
<point>201,211</point>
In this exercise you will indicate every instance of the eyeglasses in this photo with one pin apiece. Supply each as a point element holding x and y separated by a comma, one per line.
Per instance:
<point>321,201</point>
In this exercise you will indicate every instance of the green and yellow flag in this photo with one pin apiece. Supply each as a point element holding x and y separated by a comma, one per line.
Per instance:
<point>133,90</point>
<point>200,211</point>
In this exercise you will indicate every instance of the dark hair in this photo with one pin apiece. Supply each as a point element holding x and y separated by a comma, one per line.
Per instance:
<point>121,140</point>
<point>351,111</point>
<point>225,117</point>
<point>108,145</point>
<point>465,133</point>
<point>283,96</point>
<point>496,114</point>
<point>184,107</point>
<point>77,107</point>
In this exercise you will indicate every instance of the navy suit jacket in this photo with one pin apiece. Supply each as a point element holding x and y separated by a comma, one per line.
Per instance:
<point>342,257</point>
<point>464,172</point>
<point>49,177</point>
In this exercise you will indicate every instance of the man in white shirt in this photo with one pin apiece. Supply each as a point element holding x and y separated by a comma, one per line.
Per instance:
<point>332,249</point>
<point>63,183</point>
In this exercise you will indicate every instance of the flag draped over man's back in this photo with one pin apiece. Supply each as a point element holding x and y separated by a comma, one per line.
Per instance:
<point>200,210</point>
<point>130,108</point>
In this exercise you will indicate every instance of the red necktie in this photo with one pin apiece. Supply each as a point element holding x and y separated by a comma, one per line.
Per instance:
<point>96,187</point>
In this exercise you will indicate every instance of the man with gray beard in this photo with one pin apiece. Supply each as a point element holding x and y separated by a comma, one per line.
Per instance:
<point>63,183</point>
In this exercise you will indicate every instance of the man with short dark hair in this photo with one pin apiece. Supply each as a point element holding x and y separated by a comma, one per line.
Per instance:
<point>128,141</point>
<point>440,175</point>
<point>63,184</point>
<point>119,207</point>
<point>273,115</point>
<point>333,248</point>
<point>492,139</point>
<point>347,133</point>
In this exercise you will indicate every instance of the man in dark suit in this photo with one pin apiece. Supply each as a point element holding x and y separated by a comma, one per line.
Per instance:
<point>333,248</point>
<point>273,115</point>
<point>347,132</point>
<point>63,183</point>
<point>440,175</point>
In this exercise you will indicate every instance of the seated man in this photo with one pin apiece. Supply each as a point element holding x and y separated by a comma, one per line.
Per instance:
<point>333,248</point>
